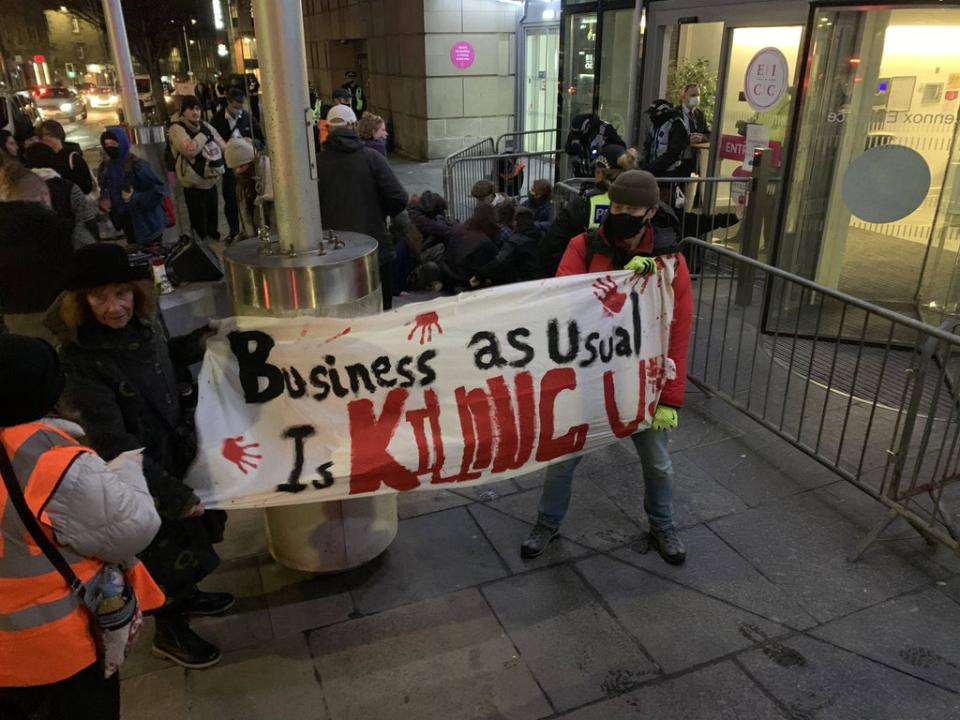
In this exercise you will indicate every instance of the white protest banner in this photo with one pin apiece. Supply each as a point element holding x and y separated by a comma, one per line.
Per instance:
<point>457,391</point>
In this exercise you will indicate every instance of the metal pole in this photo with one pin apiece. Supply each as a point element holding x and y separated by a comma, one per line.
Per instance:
<point>186,47</point>
<point>287,120</point>
<point>117,33</point>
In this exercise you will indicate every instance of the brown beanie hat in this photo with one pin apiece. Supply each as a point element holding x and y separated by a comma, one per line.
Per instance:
<point>635,187</point>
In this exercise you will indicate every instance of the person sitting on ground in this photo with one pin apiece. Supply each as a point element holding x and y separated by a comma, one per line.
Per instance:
<point>66,198</point>
<point>586,210</point>
<point>71,165</point>
<point>131,193</point>
<point>505,214</point>
<point>254,185</point>
<point>35,249</point>
<point>472,246</point>
<point>359,191</point>
<point>539,201</point>
<point>373,131</point>
<point>429,214</point>
<point>98,516</point>
<point>130,387</point>
<point>638,232</point>
<point>517,259</point>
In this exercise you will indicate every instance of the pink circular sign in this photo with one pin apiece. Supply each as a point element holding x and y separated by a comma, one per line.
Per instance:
<point>462,55</point>
<point>766,79</point>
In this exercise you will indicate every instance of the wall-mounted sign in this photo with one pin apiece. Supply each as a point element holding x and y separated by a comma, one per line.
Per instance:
<point>462,55</point>
<point>766,79</point>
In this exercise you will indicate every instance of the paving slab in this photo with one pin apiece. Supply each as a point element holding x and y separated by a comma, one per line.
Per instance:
<point>577,651</point>
<point>439,659</point>
<point>141,661</point>
<point>678,626</point>
<point>489,491</point>
<point>432,555</point>
<point>593,520</point>
<point>915,633</point>
<point>697,497</point>
<point>801,544</point>
<point>696,429</point>
<point>714,568</point>
<point>748,466</point>
<point>160,695</point>
<point>507,533</point>
<point>273,680</point>
<point>818,682</point>
<point>299,601</point>
<point>718,692</point>
<point>412,504</point>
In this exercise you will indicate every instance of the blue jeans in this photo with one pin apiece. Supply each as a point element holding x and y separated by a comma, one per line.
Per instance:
<point>657,481</point>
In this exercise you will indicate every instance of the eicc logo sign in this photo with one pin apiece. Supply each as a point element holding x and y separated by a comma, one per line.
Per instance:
<point>766,79</point>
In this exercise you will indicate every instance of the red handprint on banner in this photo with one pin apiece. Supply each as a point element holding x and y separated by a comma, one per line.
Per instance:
<point>240,455</point>
<point>610,297</point>
<point>424,322</point>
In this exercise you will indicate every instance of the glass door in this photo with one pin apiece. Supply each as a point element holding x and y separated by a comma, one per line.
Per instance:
<point>579,64</point>
<point>614,84</point>
<point>873,206</point>
<point>540,99</point>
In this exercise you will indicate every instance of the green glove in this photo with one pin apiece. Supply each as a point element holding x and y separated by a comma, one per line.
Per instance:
<point>665,418</point>
<point>641,265</point>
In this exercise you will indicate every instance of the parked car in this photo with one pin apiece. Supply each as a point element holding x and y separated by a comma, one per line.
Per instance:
<point>103,97</point>
<point>18,115</point>
<point>57,103</point>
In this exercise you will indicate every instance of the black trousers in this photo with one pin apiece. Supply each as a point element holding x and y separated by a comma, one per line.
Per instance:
<point>84,696</point>
<point>230,208</point>
<point>202,210</point>
<point>386,284</point>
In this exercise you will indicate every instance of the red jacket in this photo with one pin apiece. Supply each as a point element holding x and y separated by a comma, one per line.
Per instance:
<point>574,262</point>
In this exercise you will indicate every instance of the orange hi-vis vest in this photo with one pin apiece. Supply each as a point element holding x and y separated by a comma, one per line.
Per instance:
<point>45,633</point>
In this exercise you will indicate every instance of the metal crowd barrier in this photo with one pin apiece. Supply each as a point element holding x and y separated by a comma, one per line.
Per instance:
<point>867,392</point>
<point>461,173</point>
<point>527,140</point>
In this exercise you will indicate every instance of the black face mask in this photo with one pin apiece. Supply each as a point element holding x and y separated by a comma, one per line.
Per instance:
<point>112,152</point>
<point>620,227</point>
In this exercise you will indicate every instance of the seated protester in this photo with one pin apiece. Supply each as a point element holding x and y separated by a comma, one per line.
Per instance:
<point>97,517</point>
<point>254,185</point>
<point>587,137</point>
<point>510,175</point>
<point>407,243</point>
<point>517,260</point>
<point>506,211</point>
<point>131,192</point>
<point>35,249</point>
<point>473,245</point>
<point>429,215</point>
<point>539,202</point>
<point>484,192</point>
<point>71,164</point>
<point>67,200</point>
<point>586,210</point>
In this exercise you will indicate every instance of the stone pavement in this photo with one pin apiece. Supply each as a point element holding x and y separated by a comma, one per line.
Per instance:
<point>767,619</point>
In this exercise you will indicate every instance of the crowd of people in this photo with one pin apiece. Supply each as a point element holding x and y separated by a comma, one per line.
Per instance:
<point>105,443</point>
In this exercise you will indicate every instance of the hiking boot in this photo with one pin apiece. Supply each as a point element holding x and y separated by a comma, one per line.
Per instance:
<point>537,541</point>
<point>667,542</point>
<point>207,603</point>
<point>176,642</point>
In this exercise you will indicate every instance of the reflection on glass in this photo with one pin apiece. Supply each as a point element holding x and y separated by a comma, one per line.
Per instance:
<point>615,68</point>
<point>877,78</point>
<point>540,112</point>
<point>579,56</point>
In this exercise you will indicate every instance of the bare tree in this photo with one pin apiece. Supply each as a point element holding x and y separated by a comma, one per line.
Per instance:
<point>154,27</point>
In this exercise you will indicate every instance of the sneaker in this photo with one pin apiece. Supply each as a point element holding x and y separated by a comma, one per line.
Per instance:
<point>537,541</point>
<point>207,603</point>
<point>667,542</point>
<point>176,642</point>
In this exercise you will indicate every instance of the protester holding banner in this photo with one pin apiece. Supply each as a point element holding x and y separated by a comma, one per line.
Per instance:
<point>638,233</point>
<point>122,383</point>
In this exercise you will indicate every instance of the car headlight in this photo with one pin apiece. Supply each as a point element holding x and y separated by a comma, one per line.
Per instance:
<point>66,107</point>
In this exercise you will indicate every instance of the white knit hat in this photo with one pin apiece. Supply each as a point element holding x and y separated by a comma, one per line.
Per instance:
<point>340,116</point>
<point>238,152</point>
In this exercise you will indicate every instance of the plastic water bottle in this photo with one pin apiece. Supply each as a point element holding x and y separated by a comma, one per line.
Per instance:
<point>111,587</point>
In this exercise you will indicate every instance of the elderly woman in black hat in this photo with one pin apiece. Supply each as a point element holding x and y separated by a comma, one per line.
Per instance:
<point>123,384</point>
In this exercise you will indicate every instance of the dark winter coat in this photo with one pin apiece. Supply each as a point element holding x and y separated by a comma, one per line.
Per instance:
<point>35,250</point>
<point>145,206</point>
<point>249,127</point>
<point>358,190</point>
<point>379,145</point>
<point>435,229</point>
<point>73,167</point>
<point>468,251</point>
<point>573,219</point>
<point>122,385</point>
<point>518,258</point>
